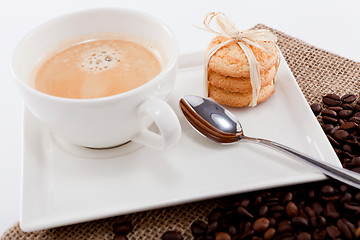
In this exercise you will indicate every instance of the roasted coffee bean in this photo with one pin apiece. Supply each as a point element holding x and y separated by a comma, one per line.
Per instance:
<point>291,209</point>
<point>341,135</point>
<point>285,236</point>
<point>302,211</point>
<point>277,211</point>
<point>330,210</point>
<point>232,230</point>
<point>172,235</point>
<point>277,208</point>
<point>122,227</point>
<point>357,233</point>
<point>357,198</point>
<point>301,204</point>
<point>322,221</point>
<point>284,226</point>
<point>269,234</point>
<point>222,236</point>
<point>311,194</point>
<point>333,231</point>
<point>348,98</point>
<point>312,216</point>
<point>272,201</point>
<point>356,161</point>
<point>346,160</point>
<point>327,127</point>
<point>355,119</point>
<point>319,234</point>
<point>246,234</point>
<point>345,114</point>
<point>346,198</point>
<point>349,126</point>
<point>258,201</point>
<point>331,100</point>
<point>300,222</point>
<point>346,228</point>
<point>263,210</point>
<point>327,190</point>
<point>347,148</point>
<point>245,226</point>
<point>215,215</point>
<point>212,227</point>
<point>336,108</point>
<point>341,121</point>
<point>120,237</point>
<point>303,236</point>
<point>245,202</point>
<point>198,227</point>
<point>343,188</point>
<point>329,113</point>
<point>243,212</point>
<point>261,224</point>
<point>288,197</point>
<point>316,108</point>
<point>350,139</point>
<point>327,119</point>
<point>357,107</point>
<point>352,206</point>
<point>346,106</point>
<point>272,222</point>
<point>335,128</point>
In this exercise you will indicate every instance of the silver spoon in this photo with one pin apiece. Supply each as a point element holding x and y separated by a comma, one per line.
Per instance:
<point>218,124</point>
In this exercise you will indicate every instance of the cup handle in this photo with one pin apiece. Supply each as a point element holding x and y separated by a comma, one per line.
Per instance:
<point>166,121</point>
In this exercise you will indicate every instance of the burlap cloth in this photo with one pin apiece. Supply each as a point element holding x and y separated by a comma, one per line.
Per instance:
<point>317,72</point>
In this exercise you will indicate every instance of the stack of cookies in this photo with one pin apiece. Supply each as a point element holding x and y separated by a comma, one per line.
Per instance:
<point>229,73</point>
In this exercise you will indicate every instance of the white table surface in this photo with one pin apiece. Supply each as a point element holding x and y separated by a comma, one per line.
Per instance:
<point>330,25</point>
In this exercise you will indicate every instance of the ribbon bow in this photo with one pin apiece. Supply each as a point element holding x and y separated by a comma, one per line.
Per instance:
<point>256,38</point>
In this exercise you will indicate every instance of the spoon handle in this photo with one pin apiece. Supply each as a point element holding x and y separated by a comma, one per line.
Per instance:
<point>341,174</point>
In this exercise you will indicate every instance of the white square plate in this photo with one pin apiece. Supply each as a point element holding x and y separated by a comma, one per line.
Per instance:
<point>63,184</point>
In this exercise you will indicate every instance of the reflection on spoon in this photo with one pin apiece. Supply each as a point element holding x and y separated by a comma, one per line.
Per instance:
<point>218,124</point>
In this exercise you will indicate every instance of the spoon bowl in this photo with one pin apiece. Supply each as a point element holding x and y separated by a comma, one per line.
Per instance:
<point>219,125</point>
<point>215,123</point>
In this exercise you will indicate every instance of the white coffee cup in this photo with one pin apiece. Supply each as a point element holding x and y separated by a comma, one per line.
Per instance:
<point>108,121</point>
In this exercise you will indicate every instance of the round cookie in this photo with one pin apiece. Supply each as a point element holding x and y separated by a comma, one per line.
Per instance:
<point>241,85</point>
<point>235,99</point>
<point>230,60</point>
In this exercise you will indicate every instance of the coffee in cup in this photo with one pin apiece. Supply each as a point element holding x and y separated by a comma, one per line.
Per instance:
<point>97,66</point>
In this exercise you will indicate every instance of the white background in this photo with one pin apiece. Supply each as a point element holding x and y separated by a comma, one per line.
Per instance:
<point>330,25</point>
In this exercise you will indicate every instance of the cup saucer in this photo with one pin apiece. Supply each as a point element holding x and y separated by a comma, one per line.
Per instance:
<point>65,184</point>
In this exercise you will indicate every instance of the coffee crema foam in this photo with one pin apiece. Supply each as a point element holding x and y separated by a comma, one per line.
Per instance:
<point>100,59</point>
<point>97,68</point>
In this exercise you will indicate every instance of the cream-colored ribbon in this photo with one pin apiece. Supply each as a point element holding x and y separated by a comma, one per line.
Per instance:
<point>257,38</point>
